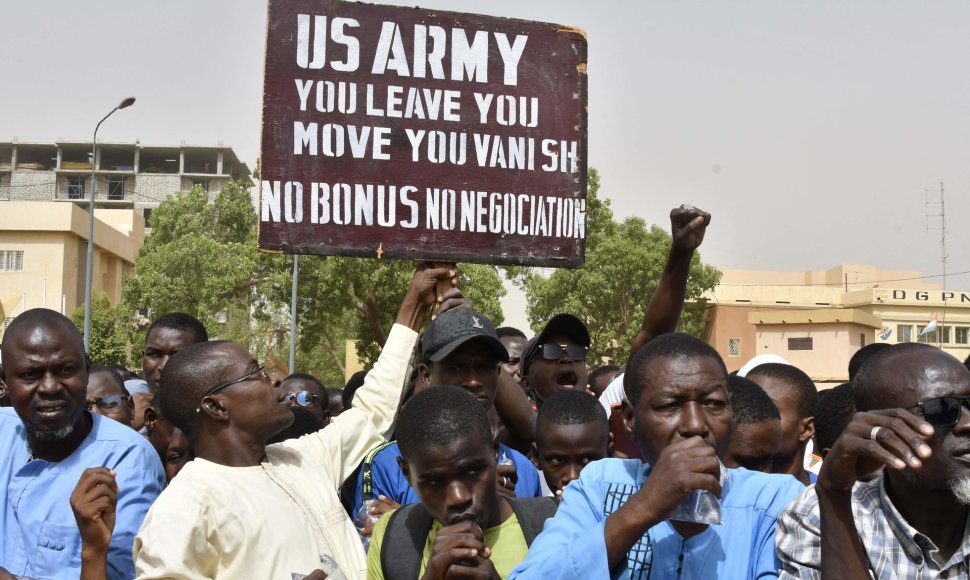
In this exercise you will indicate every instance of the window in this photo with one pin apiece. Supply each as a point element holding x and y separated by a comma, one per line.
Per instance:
<point>11,260</point>
<point>963,334</point>
<point>800,343</point>
<point>904,333</point>
<point>734,347</point>
<point>74,187</point>
<point>116,189</point>
<point>934,336</point>
<point>147,214</point>
<point>203,183</point>
<point>862,340</point>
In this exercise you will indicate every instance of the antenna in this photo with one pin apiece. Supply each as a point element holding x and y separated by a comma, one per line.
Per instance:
<point>936,220</point>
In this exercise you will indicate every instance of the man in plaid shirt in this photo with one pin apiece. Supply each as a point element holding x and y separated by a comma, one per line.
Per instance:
<point>911,520</point>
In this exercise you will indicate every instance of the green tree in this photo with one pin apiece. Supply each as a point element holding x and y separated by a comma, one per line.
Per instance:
<point>110,328</point>
<point>355,298</point>
<point>624,261</point>
<point>201,258</point>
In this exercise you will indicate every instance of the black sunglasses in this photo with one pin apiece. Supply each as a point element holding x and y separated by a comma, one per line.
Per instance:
<point>552,351</point>
<point>942,411</point>
<point>106,403</point>
<point>303,398</point>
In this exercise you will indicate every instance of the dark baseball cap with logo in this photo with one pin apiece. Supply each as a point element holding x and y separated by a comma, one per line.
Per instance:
<point>565,324</point>
<point>455,327</point>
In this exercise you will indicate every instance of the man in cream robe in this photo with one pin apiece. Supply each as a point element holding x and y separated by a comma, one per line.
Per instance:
<point>245,510</point>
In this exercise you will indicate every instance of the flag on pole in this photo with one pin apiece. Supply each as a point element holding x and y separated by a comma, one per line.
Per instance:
<point>931,327</point>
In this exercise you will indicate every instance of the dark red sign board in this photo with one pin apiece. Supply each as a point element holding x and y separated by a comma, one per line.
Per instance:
<point>395,132</point>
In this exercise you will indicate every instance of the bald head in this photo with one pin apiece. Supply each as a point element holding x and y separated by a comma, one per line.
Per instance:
<point>899,375</point>
<point>41,318</point>
<point>188,375</point>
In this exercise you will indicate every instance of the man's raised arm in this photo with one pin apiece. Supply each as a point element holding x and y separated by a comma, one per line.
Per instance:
<point>371,418</point>
<point>687,227</point>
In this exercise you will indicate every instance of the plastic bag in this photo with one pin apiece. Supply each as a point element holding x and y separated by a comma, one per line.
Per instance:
<point>700,506</point>
<point>365,520</point>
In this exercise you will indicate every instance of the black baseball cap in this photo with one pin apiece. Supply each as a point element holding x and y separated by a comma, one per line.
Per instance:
<point>565,324</point>
<point>454,328</point>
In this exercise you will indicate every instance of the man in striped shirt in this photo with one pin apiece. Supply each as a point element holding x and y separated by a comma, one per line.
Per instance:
<point>911,521</point>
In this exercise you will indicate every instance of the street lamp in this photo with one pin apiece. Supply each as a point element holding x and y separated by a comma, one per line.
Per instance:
<point>89,271</point>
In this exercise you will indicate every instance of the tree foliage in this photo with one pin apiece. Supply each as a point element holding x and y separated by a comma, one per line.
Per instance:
<point>624,262</point>
<point>110,330</point>
<point>201,258</point>
<point>357,298</point>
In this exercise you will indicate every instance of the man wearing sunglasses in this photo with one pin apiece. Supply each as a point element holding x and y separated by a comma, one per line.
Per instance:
<point>242,509</point>
<point>556,358</point>
<point>912,521</point>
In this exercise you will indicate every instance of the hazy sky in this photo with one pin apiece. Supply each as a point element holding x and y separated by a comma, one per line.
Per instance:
<point>808,129</point>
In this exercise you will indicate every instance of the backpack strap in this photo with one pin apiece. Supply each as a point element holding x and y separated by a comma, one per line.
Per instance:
<point>367,476</point>
<point>532,513</point>
<point>403,543</point>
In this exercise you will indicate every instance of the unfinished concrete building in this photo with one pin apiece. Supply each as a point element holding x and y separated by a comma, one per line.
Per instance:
<point>127,175</point>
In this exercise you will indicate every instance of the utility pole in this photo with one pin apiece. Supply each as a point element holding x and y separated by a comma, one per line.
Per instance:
<point>936,220</point>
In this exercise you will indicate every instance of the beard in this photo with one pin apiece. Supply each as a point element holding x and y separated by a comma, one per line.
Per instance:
<point>55,435</point>
<point>960,486</point>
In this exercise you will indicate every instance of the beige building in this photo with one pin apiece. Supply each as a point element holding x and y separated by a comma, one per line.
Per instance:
<point>43,254</point>
<point>817,320</point>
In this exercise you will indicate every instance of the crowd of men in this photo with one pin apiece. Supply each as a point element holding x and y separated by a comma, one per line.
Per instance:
<point>469,451</point>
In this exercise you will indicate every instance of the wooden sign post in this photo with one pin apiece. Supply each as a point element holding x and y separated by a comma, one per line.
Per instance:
<point>394,132</point>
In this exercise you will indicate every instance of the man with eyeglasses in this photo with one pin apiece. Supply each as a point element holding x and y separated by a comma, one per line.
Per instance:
<point>49,441</point>
<point>242,509</point>
<point>107,395</point>
<point>913,520</point>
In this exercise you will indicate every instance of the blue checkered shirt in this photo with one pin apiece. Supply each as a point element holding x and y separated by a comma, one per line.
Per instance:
<point>896,550</point>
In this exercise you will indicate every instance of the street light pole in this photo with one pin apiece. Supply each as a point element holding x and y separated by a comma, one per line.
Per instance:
<point>89,271</point>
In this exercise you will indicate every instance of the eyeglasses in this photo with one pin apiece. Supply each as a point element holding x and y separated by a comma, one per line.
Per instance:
<point>554,351</point>
<point>259,370</point>
<point>943,411</point>
<point>106,403</point>
<point>303,398</point>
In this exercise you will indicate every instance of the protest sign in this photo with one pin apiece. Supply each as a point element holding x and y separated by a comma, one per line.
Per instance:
<point>395,132</point>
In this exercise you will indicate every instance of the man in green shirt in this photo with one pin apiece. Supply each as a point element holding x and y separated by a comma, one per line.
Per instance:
<point>449,455</point>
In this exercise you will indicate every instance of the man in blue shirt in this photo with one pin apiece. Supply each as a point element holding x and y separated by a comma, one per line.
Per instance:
<point>618,519</point>
<point>460,348</point>
<point>48,442</point>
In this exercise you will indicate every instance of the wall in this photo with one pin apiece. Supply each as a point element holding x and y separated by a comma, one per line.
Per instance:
<point>833,346</point>
<point>53,236</point>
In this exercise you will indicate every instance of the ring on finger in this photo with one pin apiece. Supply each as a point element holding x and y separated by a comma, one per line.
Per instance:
<point>875,432</point>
